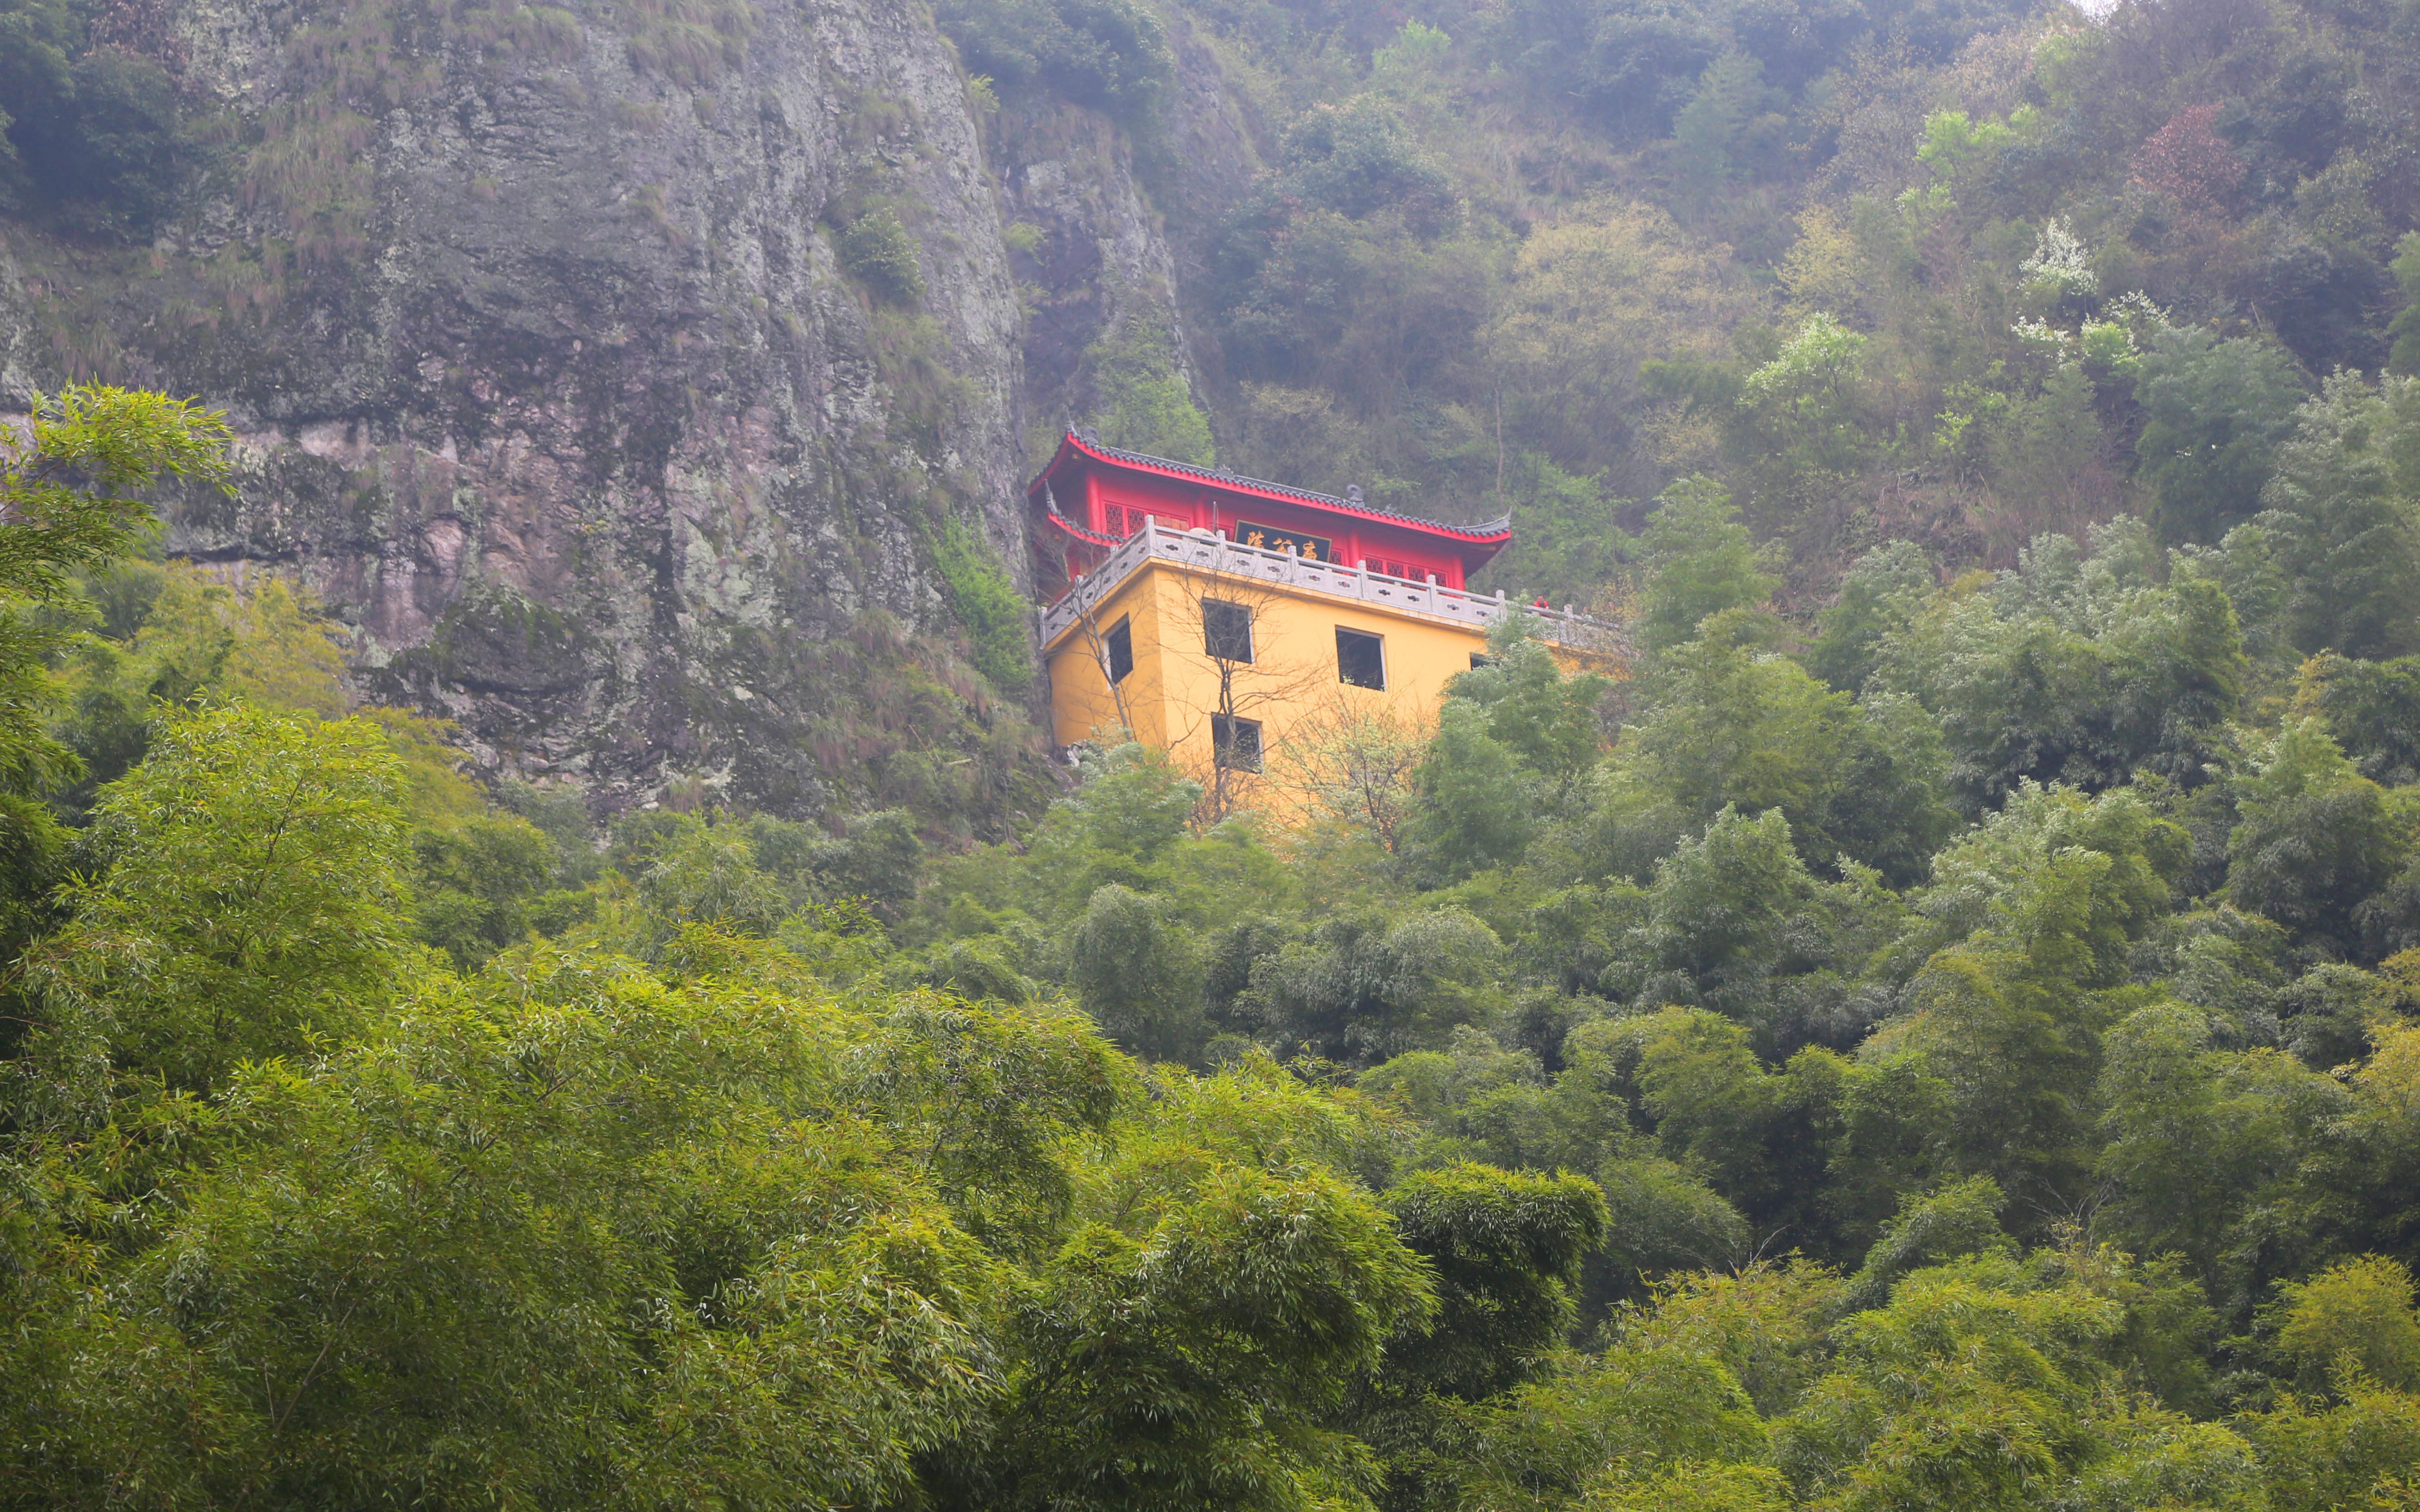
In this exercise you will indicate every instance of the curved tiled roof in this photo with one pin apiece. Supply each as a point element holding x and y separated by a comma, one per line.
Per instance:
<point>1082,533</point>
<point>1495,533</point>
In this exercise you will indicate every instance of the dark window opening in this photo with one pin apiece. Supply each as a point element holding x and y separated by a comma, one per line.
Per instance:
<point>1226,630</point>
<point>1361,658</point>
<point>1480,659</point>
<point>1121,642</point>
<point>1236,742</point>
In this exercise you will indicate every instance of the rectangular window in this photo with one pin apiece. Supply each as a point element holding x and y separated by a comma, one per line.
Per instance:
<point>1226,630</point>
<point>1121,647</point>
<point>1130,520</point>
<point>1480,659</point>
<point>1361,658</point>
<point>1236,742</point>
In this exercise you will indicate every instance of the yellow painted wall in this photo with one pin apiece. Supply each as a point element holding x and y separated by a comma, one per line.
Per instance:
<point>1173,689</point>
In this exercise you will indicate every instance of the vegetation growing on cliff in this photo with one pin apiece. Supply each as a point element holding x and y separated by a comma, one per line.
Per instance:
<point>92,128</point>
<point>1108,53</point>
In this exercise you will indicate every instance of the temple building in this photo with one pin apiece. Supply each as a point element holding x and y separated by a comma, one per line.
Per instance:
<point>1216,616</point>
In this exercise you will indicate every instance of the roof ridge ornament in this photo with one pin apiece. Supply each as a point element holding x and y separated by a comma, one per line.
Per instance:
<point>1352,493</point>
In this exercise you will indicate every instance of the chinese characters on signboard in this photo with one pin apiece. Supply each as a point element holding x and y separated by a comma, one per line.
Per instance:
<point>1309,548</point>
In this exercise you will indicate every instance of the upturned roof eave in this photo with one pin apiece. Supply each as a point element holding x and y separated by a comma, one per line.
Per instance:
<point>1494,535</point>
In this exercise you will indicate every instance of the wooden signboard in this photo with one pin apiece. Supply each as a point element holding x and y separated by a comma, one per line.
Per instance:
<point>1270,538</point>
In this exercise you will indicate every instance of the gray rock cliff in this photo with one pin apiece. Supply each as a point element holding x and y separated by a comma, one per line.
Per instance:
<point>584,374</point>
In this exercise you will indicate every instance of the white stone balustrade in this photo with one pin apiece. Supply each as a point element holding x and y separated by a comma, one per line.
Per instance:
<point>1203,551</point>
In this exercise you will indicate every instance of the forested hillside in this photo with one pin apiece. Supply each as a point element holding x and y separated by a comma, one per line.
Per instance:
<point>1996,1086</point>
<point>1940,1030</point>
<point>1958,274</point>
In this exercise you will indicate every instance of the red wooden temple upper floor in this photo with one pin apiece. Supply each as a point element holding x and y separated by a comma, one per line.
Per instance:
<point>1091,497</point>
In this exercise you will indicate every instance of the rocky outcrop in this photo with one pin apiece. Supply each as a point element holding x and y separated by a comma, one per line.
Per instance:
<point>583,368</point>
<point>17,336</point>
<point>1214,158</point>
<point>1104,259</point>
<point>1090,252</point>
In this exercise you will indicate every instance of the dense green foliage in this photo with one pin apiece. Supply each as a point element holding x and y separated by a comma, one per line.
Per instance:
<point>1940,1030</point>
<point>1111,54</point>
<point>92,127</point>
<point>1962,1052</point>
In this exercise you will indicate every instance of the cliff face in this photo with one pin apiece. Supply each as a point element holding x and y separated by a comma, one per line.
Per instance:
<point>625,378</point>
<point>1103,273</point>
<point>19,335</point>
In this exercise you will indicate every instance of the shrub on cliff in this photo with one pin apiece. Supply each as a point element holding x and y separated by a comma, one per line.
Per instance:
<point>87,131</point>
<point>878,251</point>
<point>1108,53</point>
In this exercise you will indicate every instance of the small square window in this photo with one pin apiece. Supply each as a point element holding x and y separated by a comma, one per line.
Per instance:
<point>1480,659</point>
<point>1226,630</point>
<point>1236,743</point>
<point>1121,649</point>
<point>1361,658</point>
